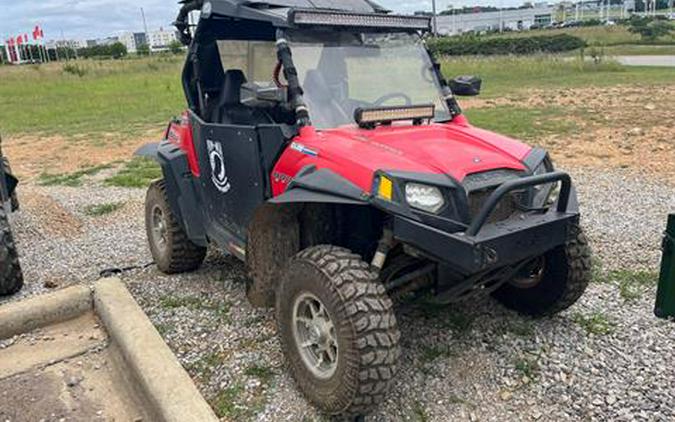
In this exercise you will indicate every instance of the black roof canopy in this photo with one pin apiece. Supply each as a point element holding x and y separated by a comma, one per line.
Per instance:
<point>276,12</point>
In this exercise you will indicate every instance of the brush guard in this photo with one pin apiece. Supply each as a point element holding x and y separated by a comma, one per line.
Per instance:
<point>484,245</point>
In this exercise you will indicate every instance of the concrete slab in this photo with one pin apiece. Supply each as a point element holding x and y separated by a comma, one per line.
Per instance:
<point>46,345</point>
<point>90,354</point>
<point>85,388</point>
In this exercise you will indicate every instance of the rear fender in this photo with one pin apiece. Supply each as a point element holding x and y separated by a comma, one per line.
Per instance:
<point>148,151</point>
<point>181,191</point>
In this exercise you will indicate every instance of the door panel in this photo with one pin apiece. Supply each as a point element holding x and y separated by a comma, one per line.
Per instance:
<point>231,177</point>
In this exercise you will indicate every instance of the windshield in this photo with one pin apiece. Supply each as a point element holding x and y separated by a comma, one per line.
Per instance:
<point>341,72</point>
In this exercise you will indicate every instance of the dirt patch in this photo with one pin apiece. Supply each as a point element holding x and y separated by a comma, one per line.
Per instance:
<point>57,221</point>
<point>33,155</point>
<point>618,127</point>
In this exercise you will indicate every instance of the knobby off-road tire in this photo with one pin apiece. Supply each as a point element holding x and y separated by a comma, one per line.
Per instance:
<point>364,323</point>
<point>567,272</point>
<point>11,277</point>
<point>171,249</point>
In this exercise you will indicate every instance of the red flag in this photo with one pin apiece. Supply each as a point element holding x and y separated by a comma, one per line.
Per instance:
<point>19,40</point>
<point>25,38</point>
<point>36,33</point>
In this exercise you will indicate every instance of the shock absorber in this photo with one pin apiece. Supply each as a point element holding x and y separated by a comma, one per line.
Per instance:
<point>383,248</point>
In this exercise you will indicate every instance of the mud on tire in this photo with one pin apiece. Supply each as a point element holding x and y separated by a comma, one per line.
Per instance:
<point>364,325</point>
<point>11,277</point>
<point>171,249</point>
<point>566,275</point>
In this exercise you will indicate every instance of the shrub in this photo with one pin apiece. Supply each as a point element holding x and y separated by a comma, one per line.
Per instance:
<point>74,69</point>
<point>473,45</point>
<point>649,29</point>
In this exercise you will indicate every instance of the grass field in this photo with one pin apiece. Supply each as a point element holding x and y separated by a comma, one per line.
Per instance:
<point>505,75</point>
<point>127,98</point>
<point>593,35</point>
<point>122,97</point>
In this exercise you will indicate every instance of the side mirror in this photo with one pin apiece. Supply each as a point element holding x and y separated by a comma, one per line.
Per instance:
<point>466,86</point>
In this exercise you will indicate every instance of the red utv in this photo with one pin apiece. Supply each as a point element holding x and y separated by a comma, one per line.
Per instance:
<point>323,147</point>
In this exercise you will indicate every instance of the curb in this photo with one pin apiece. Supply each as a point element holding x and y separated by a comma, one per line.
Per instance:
<point>26,315</point>
<point>168,388</point>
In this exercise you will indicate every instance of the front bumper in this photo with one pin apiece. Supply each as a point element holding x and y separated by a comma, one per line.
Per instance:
<point>482,246</point>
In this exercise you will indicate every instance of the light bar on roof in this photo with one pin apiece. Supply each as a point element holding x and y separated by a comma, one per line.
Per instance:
<point>359,20</point>
<point>366,117</point>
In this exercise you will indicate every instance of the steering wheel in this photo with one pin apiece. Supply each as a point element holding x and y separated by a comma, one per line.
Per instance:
<point>383,99</point>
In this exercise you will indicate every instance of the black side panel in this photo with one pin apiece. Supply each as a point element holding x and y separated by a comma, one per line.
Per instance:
<point>272,143</point>
<point>180,185</point>
<point>231,180</point>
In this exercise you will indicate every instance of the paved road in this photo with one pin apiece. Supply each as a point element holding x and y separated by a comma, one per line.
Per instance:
<point>647,60</point>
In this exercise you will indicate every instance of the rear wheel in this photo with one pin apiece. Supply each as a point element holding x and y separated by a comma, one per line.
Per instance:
<point>171,249</point>
<point>553,282</point>
<point>11,277</point>
<point>338,330</point>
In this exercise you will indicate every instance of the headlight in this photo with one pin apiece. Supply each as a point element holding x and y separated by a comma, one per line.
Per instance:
<point>547,194</point>
<point>424,197</point>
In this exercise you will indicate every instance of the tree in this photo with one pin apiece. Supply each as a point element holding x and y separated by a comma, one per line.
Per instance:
<point>649,29</point>
<point>175,47</point>
<point>117,50</point>
<point>143,50</point>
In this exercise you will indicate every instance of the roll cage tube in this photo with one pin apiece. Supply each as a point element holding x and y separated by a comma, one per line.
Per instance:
<point>182,23</point>
<point>448,96</point>
<point>295,91</point>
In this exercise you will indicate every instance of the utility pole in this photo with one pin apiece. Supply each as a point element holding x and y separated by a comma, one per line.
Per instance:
<point>145,28</point>
<point>435,22</point>
<point>501,16</point>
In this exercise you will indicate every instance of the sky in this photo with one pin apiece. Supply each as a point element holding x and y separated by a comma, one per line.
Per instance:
<point>86,19</point>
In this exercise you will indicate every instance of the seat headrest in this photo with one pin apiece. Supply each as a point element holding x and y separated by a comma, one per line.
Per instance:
<point>232,83</point>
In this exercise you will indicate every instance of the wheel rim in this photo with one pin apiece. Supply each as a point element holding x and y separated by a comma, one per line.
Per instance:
<point>531,274</point>
<point>159,228</point>
<point>314,335</point>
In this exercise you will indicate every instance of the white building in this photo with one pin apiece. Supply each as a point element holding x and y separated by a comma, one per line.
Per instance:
<point>519,19</point>
<point>160,40</point>
<point>129,41</point>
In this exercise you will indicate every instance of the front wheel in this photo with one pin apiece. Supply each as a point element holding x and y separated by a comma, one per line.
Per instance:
<point>11,277</point>
<point>553,282</point>
<point>171,249</point>
<point>338,330</point>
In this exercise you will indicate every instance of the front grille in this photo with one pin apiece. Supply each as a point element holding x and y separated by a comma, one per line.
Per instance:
<point>504,209</point>
<point>481,185</point>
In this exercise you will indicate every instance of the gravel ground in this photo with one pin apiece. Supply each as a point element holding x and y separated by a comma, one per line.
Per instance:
<point>607,358</point>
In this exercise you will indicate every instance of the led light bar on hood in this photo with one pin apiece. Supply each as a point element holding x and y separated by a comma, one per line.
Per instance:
<point>303,17</point>
<point>366,117</point>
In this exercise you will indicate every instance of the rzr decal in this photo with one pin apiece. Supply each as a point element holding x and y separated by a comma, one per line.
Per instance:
<point>303,149</point>
<point>218,173</point>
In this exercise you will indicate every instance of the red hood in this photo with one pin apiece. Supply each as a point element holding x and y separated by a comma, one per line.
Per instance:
<point>452,149</point>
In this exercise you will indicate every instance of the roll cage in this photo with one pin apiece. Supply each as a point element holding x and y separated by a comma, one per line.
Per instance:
<point>256,20</point>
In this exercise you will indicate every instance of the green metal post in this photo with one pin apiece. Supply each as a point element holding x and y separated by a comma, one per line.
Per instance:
<point>665,295</point>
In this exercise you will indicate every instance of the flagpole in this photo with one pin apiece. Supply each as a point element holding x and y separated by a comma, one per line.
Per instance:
<point>9,56</point>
